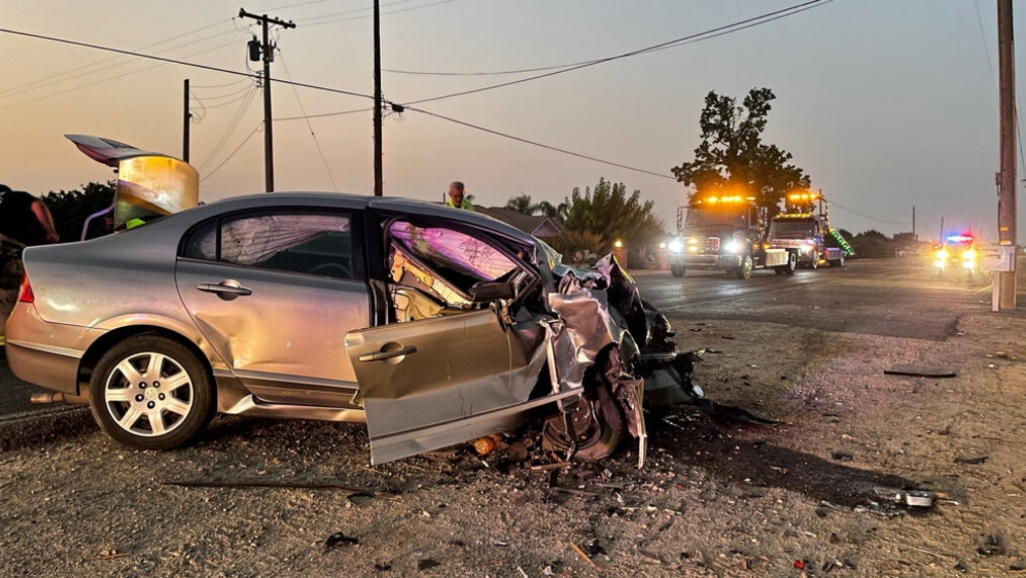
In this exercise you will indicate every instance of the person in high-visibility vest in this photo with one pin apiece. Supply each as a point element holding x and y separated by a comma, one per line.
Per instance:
<point>458,197</point>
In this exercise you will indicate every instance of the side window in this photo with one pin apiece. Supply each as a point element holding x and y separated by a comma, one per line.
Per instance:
<point>202,243</point>
<point>302,243</point>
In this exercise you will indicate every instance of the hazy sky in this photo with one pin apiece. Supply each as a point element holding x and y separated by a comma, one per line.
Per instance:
<point>886,103</point>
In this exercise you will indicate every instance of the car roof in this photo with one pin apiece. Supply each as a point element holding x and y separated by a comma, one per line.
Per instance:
<point>385,204</point>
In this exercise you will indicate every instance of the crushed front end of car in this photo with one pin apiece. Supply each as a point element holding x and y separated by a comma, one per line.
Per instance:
<point>619,350</point>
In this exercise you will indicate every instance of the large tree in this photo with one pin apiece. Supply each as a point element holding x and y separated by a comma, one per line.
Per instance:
<point>733,156</point>
<point>609,212</point>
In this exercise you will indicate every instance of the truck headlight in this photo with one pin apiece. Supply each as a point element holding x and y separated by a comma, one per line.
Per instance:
<point>732,247</point>
<point>942,254</point>
<point>805,248</point>
<point>675,246</point>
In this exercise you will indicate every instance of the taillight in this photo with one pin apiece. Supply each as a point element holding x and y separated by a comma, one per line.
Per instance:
<point>25,295</point>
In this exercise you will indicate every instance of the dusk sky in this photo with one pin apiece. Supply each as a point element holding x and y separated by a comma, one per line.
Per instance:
<point>885,103</point>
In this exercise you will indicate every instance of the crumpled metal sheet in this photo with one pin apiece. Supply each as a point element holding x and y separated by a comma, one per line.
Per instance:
<point>585,329</point>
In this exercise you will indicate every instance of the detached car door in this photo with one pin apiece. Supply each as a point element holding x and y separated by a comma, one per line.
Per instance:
<point>275,292</point>
<point>433,382</point>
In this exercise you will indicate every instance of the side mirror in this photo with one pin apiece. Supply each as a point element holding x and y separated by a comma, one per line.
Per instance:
<point>489,291</point>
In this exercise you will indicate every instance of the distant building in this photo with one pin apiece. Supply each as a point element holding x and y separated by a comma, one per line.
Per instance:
<point>538,225</point>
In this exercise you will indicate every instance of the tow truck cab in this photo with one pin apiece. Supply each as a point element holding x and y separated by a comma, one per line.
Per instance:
<point>803,230</point>
<point>724,233</point>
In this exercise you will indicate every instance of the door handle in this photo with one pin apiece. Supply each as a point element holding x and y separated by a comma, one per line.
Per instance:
<point>228,289</point>
<point>388,354</point>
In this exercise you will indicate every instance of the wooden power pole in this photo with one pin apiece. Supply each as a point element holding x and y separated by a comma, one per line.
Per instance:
<point>186,122</point>
<point>379,179</point>
<point>267,53</point>
<point>1006,286</point>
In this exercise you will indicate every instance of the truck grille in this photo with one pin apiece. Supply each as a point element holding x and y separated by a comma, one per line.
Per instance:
<point>704,245</point>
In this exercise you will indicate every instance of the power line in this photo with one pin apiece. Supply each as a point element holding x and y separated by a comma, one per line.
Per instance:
<point>107,79</point>
<point>174,61</point>
<point>691,38</point>
<point>227,84</point>
<point>229,130</point>
<point>323,114</point>
<point>538,144</point>
<point>834,203</point>
<point>302,109</point>
<point>234,152</point>
<point>90,70</point>
<point>296,5</point>
<point>428,5</point>
<point>316,19</point>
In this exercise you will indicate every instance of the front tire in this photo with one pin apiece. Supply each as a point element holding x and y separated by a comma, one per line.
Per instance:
<point>677,270</point>
<point>151,393</point>
<point>745,270</point>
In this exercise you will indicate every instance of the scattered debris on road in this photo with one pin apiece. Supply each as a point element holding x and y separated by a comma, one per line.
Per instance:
<point>971,460</point>
<point>339,539</point>
<point>918,371</point>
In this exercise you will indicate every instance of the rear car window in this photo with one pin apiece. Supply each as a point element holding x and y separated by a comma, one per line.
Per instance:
<point>317,244</point>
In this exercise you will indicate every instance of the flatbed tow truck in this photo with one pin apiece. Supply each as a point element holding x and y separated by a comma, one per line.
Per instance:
<point>727,233</point>
<point>804,228</point>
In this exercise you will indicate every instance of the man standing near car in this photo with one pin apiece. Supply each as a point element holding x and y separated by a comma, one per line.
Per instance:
<point>458,198</point>
<point>24,221</point>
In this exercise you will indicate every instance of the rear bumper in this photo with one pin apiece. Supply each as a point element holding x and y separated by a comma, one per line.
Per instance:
<point>46,354</point>
<point>699,261</point>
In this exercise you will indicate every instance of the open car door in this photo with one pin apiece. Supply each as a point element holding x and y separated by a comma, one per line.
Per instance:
<point>458,373</point>
<point>431,383</point>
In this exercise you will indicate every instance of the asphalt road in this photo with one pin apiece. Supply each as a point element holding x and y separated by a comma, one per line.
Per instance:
<point>895,297</point>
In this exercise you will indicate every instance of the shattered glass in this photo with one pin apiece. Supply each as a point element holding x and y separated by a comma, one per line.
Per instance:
<point>453,250</point>
<point>252,240</point>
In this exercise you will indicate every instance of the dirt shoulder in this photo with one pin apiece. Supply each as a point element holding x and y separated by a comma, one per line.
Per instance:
<point>715,499</point>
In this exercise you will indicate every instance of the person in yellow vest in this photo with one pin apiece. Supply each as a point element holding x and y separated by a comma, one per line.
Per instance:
<point>458,197</point>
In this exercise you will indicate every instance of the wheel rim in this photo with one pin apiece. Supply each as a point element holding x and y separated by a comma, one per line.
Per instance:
<point>148,394</point>
<point>747,266</point>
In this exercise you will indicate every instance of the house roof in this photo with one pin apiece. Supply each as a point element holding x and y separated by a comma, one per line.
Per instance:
<point>526,223</point>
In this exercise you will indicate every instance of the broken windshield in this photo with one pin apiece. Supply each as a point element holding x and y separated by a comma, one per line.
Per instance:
<point>453,250</point>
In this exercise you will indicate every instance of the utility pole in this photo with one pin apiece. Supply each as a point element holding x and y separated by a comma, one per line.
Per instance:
<point>1005,282</point>
<point>266,50</point>
<point>914,236</point>
<point>186,121</point>
<point>379,179</point>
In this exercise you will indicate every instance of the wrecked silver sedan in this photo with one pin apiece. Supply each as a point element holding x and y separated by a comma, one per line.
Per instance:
<point>435,326</point>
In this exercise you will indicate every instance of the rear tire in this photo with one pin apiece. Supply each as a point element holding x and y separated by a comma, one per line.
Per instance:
<point>677,270</point>
<point>151,393</point>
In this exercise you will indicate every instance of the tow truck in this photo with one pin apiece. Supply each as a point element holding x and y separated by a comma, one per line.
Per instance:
<point>958,252</point>
<point>728,233</point>
<point>803,229</point>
